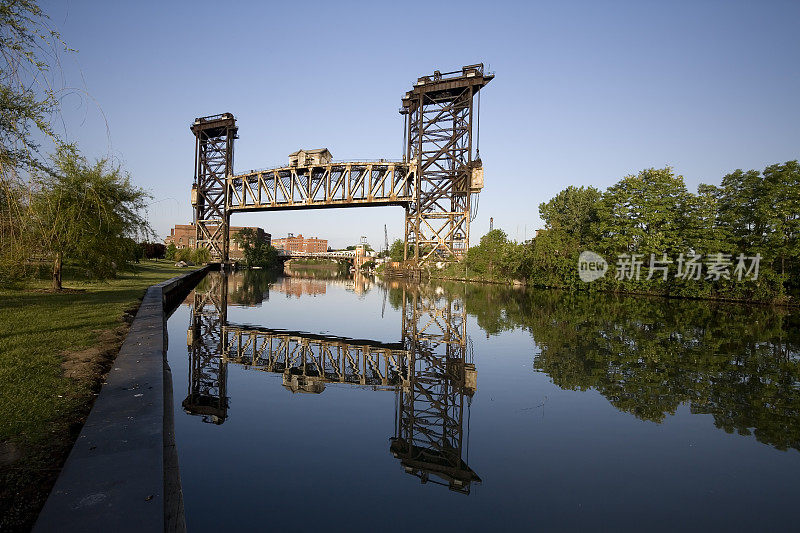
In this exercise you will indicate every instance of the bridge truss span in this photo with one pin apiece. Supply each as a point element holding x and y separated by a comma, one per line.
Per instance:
<point>308,361</point>
<point>348,184</point>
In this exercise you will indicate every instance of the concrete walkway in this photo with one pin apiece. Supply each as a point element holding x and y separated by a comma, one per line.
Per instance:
<point>122,473</point>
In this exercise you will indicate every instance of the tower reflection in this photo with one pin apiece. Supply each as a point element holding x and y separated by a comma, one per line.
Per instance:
<point>207,395</point>
<point>431,372</point>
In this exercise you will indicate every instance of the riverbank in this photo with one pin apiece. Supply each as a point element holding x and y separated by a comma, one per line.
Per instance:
<point>56,349</point>
<point>524,283</point>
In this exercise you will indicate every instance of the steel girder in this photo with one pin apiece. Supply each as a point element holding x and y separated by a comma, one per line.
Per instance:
<point>353,184</point>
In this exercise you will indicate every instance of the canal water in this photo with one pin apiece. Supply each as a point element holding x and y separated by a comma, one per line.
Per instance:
<point>324,402</point>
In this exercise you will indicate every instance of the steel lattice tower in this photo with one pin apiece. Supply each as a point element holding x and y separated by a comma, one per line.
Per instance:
<point>213,163</point>
<point>439,132</point>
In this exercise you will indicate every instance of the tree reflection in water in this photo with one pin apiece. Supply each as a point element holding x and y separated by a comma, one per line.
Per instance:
<point>647,356</point>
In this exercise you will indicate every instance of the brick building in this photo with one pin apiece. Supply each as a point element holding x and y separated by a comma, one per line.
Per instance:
<point>301,244</point>
<point>183,236</point>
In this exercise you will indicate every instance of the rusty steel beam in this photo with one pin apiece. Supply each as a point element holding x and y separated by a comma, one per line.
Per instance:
<point>353,184</point>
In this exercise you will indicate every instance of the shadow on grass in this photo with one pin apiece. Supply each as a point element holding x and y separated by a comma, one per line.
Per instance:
<point>37,329</point>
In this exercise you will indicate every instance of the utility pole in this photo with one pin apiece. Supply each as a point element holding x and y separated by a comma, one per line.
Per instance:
<point>491,223</point>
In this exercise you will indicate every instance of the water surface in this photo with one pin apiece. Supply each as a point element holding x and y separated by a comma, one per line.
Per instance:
<point>306,402</point>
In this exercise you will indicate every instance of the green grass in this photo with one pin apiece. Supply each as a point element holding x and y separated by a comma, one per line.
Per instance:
<point>43,407</point>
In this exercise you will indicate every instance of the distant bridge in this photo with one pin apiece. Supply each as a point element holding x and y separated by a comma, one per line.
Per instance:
<point>337,254</point>
<point>358,256</point>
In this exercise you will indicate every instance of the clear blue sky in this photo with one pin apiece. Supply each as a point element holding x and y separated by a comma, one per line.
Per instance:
<point>585,93</point>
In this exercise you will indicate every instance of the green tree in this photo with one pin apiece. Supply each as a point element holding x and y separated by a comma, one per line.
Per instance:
<point>741,215</point>
<point>574,211</point>
<point>397,250</point>
<point>171,251</point>
<point>759,213</point>
<point>489,257</point>
<point>781,208</point>
<point>645,214</point>
<point>554,260</point>
<point>201,255</point>
<point>256,251</point>
<point>85,212</point>
<point>27,102</point>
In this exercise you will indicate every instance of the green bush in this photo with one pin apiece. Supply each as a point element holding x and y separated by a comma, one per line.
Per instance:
<point>171,251</point>
<point>201,255</point>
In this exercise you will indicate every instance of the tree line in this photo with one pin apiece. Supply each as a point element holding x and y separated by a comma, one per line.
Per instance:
<point>55,205</point>
<point>650,224</point>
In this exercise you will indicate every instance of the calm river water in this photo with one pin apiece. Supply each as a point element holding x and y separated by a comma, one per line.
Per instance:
<point>305,403</point>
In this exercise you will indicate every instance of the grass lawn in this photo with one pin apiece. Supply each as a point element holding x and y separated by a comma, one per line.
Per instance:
<point>46,394</point>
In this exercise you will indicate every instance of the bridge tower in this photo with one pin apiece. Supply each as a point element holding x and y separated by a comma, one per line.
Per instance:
<point>213,163</point>
<point>439,132</point>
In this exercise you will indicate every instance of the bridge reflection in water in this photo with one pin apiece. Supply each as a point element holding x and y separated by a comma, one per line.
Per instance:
<point>431,372</point>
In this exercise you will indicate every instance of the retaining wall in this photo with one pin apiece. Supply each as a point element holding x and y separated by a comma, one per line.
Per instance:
<point>122,473</point>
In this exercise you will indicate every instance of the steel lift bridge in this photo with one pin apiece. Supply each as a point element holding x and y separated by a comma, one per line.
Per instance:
<point>430,371</point>
<point>437,181</point>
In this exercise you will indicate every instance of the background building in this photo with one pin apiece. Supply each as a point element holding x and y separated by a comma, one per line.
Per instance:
<point>301,244</point>
<point>183,236</point>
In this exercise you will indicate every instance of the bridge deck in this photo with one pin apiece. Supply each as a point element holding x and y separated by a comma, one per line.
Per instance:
<point>351,184</point>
